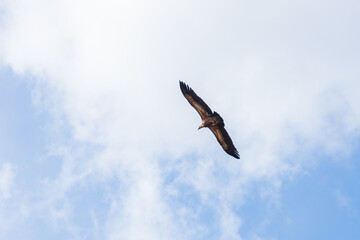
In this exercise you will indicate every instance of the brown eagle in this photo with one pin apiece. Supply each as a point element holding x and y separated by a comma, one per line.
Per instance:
<point>210,119</point>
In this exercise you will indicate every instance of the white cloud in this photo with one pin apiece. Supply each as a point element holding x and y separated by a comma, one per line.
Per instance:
<point>230,224</point>
<point>281,76</point>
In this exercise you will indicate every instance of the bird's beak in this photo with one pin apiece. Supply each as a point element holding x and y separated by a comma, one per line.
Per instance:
<point>200,127</point>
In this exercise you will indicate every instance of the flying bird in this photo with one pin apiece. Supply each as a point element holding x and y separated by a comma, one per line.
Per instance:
<point>210,120</point>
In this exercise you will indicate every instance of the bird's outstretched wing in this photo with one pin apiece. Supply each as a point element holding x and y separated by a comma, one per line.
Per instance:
<point>200,106</point>
<point>225,141</point>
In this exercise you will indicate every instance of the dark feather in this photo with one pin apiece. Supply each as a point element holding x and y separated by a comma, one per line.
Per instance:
<point>225,141</point>
<point>200,106</point>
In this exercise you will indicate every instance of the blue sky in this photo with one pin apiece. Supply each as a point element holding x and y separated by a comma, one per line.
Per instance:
<point>97,141</point>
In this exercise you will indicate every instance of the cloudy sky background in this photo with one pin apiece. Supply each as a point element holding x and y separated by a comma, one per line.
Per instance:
<point>97,141</point>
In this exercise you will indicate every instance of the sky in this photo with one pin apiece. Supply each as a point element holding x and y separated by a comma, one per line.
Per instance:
<point>97,141</point>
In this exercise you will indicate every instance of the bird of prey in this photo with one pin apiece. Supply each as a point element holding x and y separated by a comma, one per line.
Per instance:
<point>210,120</point>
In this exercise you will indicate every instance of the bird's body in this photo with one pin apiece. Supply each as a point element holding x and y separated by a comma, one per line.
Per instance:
<point>210,119</point>
<point>214,120</point>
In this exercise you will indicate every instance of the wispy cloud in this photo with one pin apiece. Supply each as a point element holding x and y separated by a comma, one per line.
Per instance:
<point>345,202</point>
<point>341,199</point>
<point>6,180</point>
